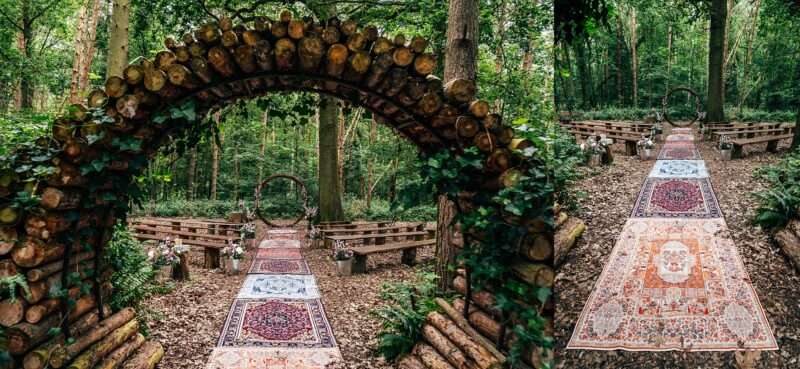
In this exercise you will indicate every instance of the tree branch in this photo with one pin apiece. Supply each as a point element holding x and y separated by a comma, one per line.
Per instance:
<point>10,21</point>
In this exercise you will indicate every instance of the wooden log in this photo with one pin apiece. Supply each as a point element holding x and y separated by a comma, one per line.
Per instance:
<point>356,42</point>
<point>229,39</point>
<point>348,27</point>
<point>566,236</point>
<point>310,51</point>
<point>197,50</point>
<point>245,58</point>
<point>336,59</point>
<point>180,75</point>
<point>208,33</point>
<point>410,362</point>
<point>479,109</point>
<point>418,44</point>
<point>467,126</point>
<point>285,54</point>
<point>119,355</point>
<point>789,243</point>
<point>505,135</point>
<point>12,311</point>
<point>430,357</point>
<point>296,29</point>
<point>101,349</point>
<point>399,40</point>
<point>37,312</point>
<point>429,104</point>
<point>154,79</point>
<point>38,358</point>
<point>446,348</point>
<point>8,238</point>
<point>115,86</point>
<point>25,336</point>
<point>201,68</point>
<point>357,65</point>
<point>263,53</point>
<point>65,355</point>
<point>460,91</point>
<point>134,74</point>
<point>251,38</point>
<point>454,313</point>
<point>485,141</point>
<point>279,30</point>
<point>402,56</point>
<point>480,355</point>
<point>127,106</point>
<point>220,59</point>
<point>535,274</point>
<point>424,64</point>
<point>536,247</point>
<point>34,252</point>
<point>182,54</point>
<point>480,320</point>
<point>330,35</point>
<point>60,199</point>
<point>484,299</point>
<point>164,59</point>
<point>382,45</point>
<point>36,292</point>
<point>43,228</point>
<point>148,355</point>
<point>378,69</point>
<point>97,99</point>
<point>7,268</point>
<point>394,82</point>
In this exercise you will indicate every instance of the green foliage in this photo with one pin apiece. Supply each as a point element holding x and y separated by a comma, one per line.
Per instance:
<point>780,201</point>
<point>685,113</point>
<point>409,304</point>
<point>132,271</point>
<point>14,283</point>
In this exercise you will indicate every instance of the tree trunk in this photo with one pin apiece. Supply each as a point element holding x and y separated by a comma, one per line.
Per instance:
<point>669,58</point>
<point>716,100</point>
<point>191,173</point>
<point>634,60</point>
<point>26,86</point>
<point>215,154</point>
<point>80,34</point>
<point>460,63</point>
<point>88,47</point>
<point>585,73</point>
<point>373,131</point>
<point>796,138</point>
<point>330,199</point>
<point>262,150</point>
<point>619,61</point>
<point>118,38</point>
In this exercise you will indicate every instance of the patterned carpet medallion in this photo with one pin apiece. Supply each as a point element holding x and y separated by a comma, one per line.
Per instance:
<point>279,266</point>
<point>279,286</point>
<point>279,253</point>
<point>678,152</point>
<point>679,169</point>
<point>680,137</point>
<point>673,285</point>
<point>676,198</point>
<point>293,323</point>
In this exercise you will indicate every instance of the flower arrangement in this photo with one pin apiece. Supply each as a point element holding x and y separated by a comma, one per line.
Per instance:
<point>725,143</point>
<point>167,252</point>
<point>247,231</point>
<point>646,143</point>
<point>593,145</point>
<point>235,251</point>
<point>340,252</point>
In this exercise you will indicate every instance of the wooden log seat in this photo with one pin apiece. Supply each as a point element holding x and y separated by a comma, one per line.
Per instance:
<point>327,234</point>
<point>771,140</point>
<point>409,249</point>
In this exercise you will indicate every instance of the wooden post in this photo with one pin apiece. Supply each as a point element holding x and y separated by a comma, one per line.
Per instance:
<point>409,256</point>
<point>359,263</point>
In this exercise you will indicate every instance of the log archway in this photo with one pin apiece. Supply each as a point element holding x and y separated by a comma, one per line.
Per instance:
<point>61,196</point>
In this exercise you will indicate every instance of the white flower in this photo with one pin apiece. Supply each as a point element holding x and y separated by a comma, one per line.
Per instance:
<point>150,255</point>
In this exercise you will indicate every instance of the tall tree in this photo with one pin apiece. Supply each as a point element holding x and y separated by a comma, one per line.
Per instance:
<point>118,37</point>
<point>715,100</point>
<point>215,154</point>
<point>460,63</point>
<point>85,36</point>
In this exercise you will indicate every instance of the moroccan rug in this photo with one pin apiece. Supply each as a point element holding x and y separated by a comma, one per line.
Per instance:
<point>293,323</point>
<point>268,244</point>
<point>271,358</point>
<point>279,286</point>
<point>678,152</point>
<point>679,169</point>
<point>676,198</point>
<point>680,137</point>
<point>278,266</point>
<point>279,253</point>
<point>673,285</point>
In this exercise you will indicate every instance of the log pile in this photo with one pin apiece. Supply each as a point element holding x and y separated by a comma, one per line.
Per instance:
<point>568,230</point>
<point>788,239</point>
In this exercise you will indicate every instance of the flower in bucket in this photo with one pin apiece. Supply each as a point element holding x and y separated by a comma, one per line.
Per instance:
<point>165,253</point>
<point>234,251</point>
<point>340,252</point>
<point>247,231</point>
<point>645,143</point>
<point>725,143</point>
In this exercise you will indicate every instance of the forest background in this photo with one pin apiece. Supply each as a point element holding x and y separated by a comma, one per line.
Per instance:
<point>54,52</point>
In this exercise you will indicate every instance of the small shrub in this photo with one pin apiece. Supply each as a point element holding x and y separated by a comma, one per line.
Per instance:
<point>779,203</point>
<point>410,303</point>
<point>132,271</point>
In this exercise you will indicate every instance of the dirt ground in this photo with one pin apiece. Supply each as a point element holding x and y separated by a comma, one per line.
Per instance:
<point>610,193</point>
<point>188,319</point>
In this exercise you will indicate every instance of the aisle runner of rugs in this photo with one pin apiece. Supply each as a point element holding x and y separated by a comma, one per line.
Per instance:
<point>675,280</point>
<point>277,321</point>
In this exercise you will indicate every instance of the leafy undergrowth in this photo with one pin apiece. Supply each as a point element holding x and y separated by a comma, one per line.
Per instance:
<point>779,202</point>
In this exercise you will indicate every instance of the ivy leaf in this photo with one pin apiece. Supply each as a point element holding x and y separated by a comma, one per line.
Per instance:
<point>542,294</point>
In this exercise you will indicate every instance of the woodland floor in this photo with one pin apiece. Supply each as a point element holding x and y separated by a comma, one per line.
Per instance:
<point>188,319</point>
<point>610,193</point>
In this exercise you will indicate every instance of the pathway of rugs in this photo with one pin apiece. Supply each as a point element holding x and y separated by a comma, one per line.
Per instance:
<point>674,280</point>
<point>277,321</point>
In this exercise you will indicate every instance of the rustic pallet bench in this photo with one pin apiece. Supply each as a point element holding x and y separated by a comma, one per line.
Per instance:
<point>212,240</point>
<point>629,137</point>
<point>409,249</point>
<point>376,238</point>
<point>379,229</point>
<point>212,227</point>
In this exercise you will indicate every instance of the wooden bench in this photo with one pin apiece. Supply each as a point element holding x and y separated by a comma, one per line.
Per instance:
<point>370,230</point>
<point>216,235</point>
<point>375,238</point>
<point>408,248</point>
<point>771,140</point>
<point>630,135</point>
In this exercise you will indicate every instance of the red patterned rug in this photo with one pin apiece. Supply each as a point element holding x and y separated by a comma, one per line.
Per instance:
<point>678,197</point>
<point>294,323</point>
<point>679,151</point>
<point>673,285</point>
<point>279,266</point>
<point>278,253</point>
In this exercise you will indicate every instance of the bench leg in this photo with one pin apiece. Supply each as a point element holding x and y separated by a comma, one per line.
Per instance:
<point>737,152</point>
<point>359,264</point>
<point>630,148</point>
<point>772,146</point>
<point>409,257</point>
<point>211,258</point>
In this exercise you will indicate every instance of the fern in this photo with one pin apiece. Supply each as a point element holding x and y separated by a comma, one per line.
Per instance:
<point>132,271</point>
<point>779,203</point>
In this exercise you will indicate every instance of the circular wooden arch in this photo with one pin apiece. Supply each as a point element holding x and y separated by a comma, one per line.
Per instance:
<point>665,103</point>
<point>303,192</point>
<point>96,150</point>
